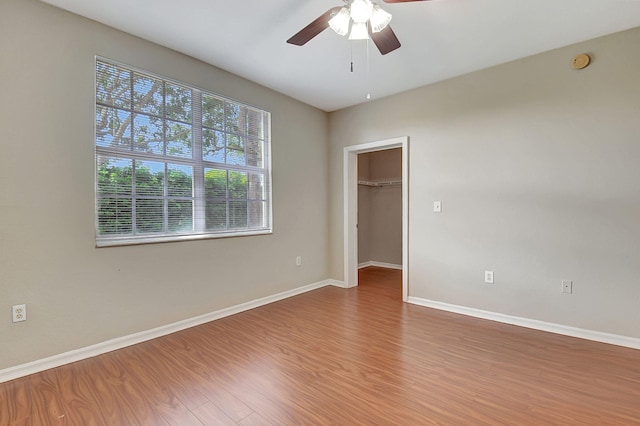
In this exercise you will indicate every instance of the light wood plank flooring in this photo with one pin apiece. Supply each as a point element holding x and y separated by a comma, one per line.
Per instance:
<point>344,357</point>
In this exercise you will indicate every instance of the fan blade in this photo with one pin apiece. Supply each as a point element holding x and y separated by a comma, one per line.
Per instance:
<point>385,40</point>
<point>314,28</point>
<point>401,1</point>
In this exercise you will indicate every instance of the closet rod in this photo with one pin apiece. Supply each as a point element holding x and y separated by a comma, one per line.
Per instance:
<point>379,184</point>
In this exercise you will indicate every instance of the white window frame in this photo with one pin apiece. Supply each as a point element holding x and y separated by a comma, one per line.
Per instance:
<point>198,164</point>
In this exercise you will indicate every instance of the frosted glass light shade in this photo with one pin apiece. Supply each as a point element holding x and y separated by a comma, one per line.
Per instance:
<point>361,11</point>
<point>340,22</point>
<point>379,19</point>
<point>359,31</point>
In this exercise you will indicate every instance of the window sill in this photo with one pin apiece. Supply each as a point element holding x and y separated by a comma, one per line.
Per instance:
<point>116,242</point>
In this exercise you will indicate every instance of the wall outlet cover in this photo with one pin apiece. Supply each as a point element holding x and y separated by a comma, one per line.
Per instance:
<point>19,313</point>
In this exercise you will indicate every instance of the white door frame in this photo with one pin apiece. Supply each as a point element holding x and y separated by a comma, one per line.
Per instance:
<point>350,180</point>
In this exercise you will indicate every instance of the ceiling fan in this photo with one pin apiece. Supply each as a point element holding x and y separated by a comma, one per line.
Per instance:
<point>365,18</point>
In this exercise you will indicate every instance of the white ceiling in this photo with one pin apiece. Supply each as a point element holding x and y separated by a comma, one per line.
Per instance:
<point>440,39</point>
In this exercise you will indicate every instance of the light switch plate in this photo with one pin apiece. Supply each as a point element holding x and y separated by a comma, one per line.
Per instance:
<point>488,277</point>
<point>437,206</point>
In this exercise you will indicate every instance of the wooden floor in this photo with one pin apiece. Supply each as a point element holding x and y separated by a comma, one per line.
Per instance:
<point>335,356</point>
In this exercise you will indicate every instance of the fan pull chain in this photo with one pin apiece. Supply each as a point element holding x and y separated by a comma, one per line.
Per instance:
<point>368,79</point>
<point>351,47</point>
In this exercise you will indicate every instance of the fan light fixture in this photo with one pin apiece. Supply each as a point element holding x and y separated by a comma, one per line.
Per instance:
<point>360,12</point>
<point>359,31</point>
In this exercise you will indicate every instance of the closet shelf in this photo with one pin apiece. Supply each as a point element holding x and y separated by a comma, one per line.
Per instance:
<point>380,183</point>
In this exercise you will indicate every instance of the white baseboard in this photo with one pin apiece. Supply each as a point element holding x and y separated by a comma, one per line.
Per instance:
<point>613,339</point>
<point>379,265</point>
<point>22,370</point>
<point>337,283</point>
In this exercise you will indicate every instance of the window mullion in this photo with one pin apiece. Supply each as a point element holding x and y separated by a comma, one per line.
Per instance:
<point>165,198</point>
<point>227,201</point>
<point>134,225</point>
<point>165,186</point>
<point>199,207</point>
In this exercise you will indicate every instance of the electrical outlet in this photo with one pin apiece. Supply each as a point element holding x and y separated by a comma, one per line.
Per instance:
<point>567,286</point>
<point>299,261</point>
<point>488,277</point>
<point>19,313</point>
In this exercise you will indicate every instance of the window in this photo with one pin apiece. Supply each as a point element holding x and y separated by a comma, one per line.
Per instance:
<point>174,162</point>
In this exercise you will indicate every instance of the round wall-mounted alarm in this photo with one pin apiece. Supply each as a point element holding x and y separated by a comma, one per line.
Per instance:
<point>581,61</point>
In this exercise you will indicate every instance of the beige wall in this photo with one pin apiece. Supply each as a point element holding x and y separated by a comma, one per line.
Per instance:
<point>537,166</point>
<point>78,295</point>
<point>380,208</point>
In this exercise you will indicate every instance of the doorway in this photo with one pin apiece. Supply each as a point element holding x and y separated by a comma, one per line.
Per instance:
<point>380,209</point>
<point>351,208</point>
